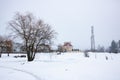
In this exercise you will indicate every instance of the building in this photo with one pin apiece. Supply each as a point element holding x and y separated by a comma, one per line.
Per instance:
<point>67,47</point>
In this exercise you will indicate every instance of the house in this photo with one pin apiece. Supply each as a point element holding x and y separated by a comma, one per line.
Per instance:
<point>67,47</point>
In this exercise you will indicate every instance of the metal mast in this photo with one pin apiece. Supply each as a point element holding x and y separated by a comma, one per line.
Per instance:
<point>92,39</point>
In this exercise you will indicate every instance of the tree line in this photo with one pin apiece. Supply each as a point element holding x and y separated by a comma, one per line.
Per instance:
<point>115,47</point>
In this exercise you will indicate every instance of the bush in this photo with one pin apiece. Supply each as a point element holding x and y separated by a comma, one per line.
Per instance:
<point>86,54</point>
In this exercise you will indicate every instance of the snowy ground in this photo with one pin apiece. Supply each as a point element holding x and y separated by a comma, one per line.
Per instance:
<point>67,66</point>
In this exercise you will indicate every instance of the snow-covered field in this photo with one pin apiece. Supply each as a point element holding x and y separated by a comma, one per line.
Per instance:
<point>67,66</point>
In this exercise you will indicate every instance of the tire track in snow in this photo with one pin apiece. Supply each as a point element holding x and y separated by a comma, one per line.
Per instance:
<point>35,76</point>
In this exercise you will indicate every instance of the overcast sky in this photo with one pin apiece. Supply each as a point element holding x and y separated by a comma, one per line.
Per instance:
<point>71,19</point>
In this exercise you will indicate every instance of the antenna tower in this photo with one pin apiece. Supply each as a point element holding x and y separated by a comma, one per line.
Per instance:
<point>92,39</point>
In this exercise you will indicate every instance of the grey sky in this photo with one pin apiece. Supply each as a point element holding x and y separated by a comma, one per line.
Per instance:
<point>72,19</point>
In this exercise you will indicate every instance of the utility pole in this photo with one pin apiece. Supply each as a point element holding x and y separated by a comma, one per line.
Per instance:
<point>92,39</point>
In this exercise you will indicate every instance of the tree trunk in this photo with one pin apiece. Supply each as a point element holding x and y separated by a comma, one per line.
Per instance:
<point>30,56</point>
<point>8,53</point>
<point>1,52</point>
<point>0,55</point>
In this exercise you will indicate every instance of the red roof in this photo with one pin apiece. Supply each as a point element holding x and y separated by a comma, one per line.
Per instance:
<point>67,44</point>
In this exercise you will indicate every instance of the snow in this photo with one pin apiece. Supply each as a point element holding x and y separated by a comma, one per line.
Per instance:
<point>67,66</point>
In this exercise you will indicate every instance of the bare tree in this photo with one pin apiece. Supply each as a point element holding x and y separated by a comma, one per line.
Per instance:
<point>33,32</point>
<point>5,44</point>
